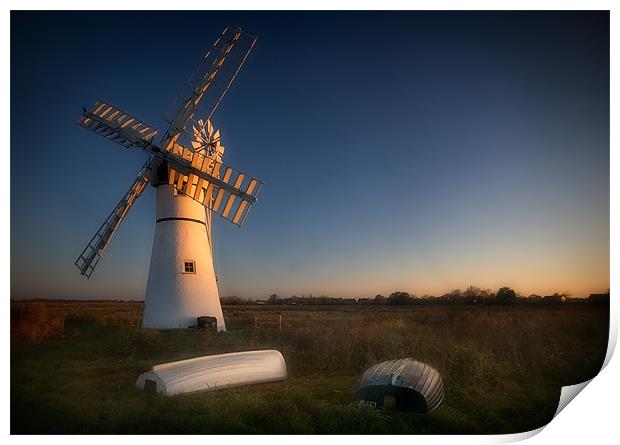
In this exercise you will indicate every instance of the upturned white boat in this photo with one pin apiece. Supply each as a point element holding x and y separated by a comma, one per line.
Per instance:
<point>213,372</point>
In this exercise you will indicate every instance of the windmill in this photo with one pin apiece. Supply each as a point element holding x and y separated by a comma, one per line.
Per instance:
<point>191,184</point>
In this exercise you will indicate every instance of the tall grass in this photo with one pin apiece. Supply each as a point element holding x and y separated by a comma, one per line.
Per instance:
<point>33,322</point>
<point>503,368</point>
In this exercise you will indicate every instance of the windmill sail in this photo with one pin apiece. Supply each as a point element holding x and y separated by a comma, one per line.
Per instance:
<point>205,89</point>
<point>230,194</point>
<point>90,256</point>
<point>113,123</point>
<point>193,173</point>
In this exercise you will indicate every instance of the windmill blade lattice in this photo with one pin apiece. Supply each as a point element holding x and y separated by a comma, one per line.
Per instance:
<point>194,172</point>
<point>92,253</point>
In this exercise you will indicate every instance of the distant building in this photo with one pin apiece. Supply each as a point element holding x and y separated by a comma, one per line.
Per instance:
<point>553,299</point>
<point>600,299</point>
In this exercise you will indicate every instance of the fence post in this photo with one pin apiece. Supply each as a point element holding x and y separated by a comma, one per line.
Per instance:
<point>280,322</point>
<point>256,322</point>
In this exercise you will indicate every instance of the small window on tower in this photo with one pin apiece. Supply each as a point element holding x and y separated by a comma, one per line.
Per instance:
<point>189,266</point>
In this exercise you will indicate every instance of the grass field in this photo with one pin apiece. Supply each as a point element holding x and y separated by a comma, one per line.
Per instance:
<point>503,368</point>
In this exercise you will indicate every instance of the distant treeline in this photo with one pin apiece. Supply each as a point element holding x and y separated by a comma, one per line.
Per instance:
<point>471,296</point>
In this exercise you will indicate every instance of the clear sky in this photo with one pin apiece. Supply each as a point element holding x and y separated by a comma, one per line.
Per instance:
<point>400,151</point>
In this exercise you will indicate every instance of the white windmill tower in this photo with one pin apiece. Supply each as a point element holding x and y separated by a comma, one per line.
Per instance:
<point>191,183</point>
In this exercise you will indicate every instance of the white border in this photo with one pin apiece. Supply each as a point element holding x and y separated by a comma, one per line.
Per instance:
<point>592,417</point>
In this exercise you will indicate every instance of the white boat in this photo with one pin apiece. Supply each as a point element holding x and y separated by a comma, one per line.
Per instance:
<point>213,372</point>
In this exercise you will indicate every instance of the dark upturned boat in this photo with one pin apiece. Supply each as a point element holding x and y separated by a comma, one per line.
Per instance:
<point>402,385</point>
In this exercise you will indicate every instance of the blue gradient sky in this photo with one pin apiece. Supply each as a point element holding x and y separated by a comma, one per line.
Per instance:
<point>400,151</point>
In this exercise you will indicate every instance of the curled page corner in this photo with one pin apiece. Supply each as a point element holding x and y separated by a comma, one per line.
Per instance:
<point>517,437</point>
<point>568,393</point>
